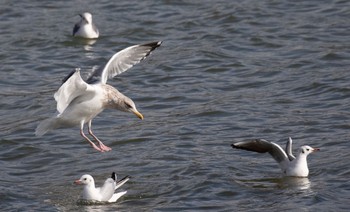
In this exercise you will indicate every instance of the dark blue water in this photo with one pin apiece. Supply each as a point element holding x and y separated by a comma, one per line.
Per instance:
<point>227,71</point>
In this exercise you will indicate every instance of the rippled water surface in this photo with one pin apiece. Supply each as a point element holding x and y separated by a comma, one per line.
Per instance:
<point>227,71</point>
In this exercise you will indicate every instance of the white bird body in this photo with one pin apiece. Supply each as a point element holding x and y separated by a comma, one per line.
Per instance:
<point>84,107</point>
<point>79,101</point>
<point>75,108</point>
<point>104,193</point>
<point>290,165</point>
<point>297,167</point>
<point>85,28</point>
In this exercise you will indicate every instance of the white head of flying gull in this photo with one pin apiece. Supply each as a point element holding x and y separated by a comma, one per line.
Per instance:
<point>78,102</point>
<point>104,193</point>
<point>290,165</point>
<point>85,28</point>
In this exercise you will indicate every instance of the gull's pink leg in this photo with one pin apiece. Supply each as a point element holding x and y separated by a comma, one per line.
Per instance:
<point>102,146</point>
<point>91,143</point>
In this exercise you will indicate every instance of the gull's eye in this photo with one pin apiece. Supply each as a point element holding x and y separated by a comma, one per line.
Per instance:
<point>307,149</point>
<point>85,179</point>
<point>127,105</point>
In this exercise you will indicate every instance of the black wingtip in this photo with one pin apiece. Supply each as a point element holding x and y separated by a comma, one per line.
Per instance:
<point>153,45</point>
<point>233,146</point>
<point>69,75</point>
<point>126,177</point>
<point>113,176</point>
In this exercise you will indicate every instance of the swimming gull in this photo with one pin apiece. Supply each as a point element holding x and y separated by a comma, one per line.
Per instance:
<point>104,193</point>
<point>78,102</point>
<point>85,28</point>
<point>290,165</point>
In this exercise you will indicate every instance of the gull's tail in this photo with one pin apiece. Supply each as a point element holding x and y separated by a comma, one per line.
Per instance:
<point>116,196</point>
<point>45,126</point>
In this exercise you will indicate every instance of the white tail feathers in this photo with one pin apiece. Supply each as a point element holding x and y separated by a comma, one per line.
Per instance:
<point>45,126</point>
<point>116,196</point>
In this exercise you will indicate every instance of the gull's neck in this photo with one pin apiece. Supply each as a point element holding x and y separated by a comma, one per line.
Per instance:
<point>90,186</point>
<point>301,158</point>
<point>89,191</point>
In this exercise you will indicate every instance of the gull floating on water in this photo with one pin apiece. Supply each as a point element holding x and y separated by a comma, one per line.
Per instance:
<point>104,193</point>
<point>78,102</point>
<point>290,165</point>
<point>85,28</point>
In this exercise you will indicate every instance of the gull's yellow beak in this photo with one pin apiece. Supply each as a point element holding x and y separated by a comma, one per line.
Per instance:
<point>138,114</point>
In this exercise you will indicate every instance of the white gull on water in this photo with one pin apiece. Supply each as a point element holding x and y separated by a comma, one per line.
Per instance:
<point>290,165</point>
<point>104,193</point>
<point>78,102</point>
<point>85,28</point>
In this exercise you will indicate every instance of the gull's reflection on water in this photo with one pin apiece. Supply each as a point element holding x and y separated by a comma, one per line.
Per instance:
<point>88,44</point>
<point>89,48</point>
<point>298,183</point>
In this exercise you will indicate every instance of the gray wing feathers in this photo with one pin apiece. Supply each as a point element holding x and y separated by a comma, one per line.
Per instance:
<point>263,146</point>
<point>124,60</point>
<point>289,150</point>
<point>75,29</point>
<point>122,182</point>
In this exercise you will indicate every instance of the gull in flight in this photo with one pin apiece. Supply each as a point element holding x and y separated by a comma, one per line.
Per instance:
<point>85,28</point>
<point>104,193</point>
<point>290,165</point>
<point>79,101</point>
